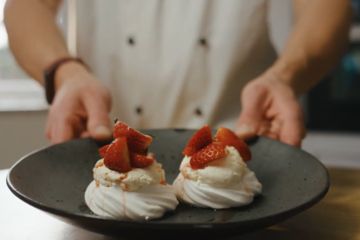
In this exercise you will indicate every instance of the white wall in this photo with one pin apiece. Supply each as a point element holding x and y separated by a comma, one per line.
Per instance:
<point>20,133</point>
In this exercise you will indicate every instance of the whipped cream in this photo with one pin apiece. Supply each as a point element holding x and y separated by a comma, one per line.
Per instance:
<point>140,194</point>
<point>223,183</point>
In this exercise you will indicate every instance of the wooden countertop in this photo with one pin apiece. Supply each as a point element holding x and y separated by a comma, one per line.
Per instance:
<point>336,217</point>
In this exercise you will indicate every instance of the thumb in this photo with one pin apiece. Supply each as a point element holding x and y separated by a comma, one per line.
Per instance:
<point>293,129</point>
<point>245,131</point>
<point>98,124</point>
<point>247,125</point>
<point>250,119</point>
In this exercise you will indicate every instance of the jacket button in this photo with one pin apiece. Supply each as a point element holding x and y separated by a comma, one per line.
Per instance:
<point>203,42</point>
<point>198,112</point>
<point>131,40</point>
<point>138,110</point>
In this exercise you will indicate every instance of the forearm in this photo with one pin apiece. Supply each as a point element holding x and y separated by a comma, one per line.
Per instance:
<point>318,40</point>
<point>34,37</point>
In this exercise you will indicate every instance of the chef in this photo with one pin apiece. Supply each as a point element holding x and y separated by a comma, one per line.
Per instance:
<point>176,63</point>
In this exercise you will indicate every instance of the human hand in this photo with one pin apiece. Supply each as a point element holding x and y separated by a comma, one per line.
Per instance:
<point>270,108</point>
<point>80,108</point>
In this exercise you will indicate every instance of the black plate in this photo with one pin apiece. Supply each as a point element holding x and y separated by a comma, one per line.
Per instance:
<point>54,180</point>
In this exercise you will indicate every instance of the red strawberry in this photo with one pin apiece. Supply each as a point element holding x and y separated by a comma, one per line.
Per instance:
<point>140,161</point>
<point>117,156</point>
<point>211,152</point>
<point>103,149</point>
<point>200,139</point>
<point>229,138</point>
<point>137,141</point>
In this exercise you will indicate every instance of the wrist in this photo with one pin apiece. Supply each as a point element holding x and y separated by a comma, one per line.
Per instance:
<point>58,72</point>
<point>69,71</point>
<point>290,74</point>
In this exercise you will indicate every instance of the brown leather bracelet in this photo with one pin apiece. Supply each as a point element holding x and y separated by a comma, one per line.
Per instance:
<point>49,76</point>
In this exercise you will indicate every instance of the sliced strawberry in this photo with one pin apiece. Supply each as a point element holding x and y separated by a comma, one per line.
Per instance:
<point>137,141</point>
<point>200,139</point>
<point>117,156</point>
<point>140,161</point>
<point>229,138</point>
<point>102,150</point>
<point>211,152</point>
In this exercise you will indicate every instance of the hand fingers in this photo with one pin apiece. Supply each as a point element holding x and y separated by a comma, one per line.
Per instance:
<point>272,135</point>
<point>292,134</point>
<point>98,125</point>
<point>250,124</point>
<point>64,124</point>
<point>245,131</point>
<point>251,117</point>
<point>61,129</point>
<point>265,128</point>
<point>273,130</point>
<point>293,129</point>
<point>85,134</point>
<point>249,121</point>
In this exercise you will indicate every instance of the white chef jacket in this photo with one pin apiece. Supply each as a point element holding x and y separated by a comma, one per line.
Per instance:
<point>175,63</point>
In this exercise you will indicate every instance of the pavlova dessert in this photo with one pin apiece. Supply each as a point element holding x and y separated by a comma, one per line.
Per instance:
<point>129,184</point>
<point>213,172</point>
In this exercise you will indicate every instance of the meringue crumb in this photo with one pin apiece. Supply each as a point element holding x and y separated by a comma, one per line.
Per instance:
<point>132,180</point>
<point>99,163</point>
